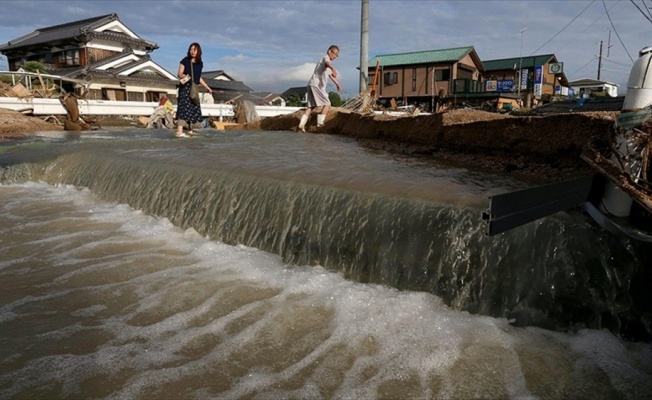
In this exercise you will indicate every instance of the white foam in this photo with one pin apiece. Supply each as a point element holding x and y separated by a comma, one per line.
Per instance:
<point>178,307</point>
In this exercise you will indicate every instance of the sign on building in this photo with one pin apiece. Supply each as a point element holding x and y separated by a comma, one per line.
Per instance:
<point>556,68</point>
<point>523,79</point>
<point>538,79</point>
<point>506,85</point>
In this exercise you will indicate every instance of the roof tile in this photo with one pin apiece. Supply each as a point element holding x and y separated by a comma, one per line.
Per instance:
<point>422,57</point>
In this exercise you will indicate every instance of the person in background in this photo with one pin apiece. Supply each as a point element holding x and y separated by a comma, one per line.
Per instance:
<point>162,115</point>
<point>188,112</point>
<point>316,91</point>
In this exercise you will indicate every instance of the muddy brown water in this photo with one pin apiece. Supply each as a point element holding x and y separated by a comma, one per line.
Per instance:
<point>272,264</point>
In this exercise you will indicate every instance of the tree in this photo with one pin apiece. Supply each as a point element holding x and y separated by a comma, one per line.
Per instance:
<point>294,100</point>
<point>336,100</point>
<point>33,66</point>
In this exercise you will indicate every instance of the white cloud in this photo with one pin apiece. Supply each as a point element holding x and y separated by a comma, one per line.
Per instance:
<point>300,72</point>
<point>234,59</point>
<point>280,48</point>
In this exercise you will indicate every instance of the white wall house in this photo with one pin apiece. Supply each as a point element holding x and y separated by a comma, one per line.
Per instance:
<point>586,86</point>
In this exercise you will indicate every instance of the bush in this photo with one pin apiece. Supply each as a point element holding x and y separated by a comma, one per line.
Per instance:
<point>336,100</point>
<point>34,66</point>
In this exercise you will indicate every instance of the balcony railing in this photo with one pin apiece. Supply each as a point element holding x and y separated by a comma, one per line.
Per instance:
<point>465,86</point>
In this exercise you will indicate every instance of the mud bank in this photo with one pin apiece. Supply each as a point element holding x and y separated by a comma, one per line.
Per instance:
<point>13,124</point>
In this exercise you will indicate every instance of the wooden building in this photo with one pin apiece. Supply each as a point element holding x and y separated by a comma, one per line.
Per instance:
<point>420,78</point>
<point>541,78</point>
<point>113,60</point>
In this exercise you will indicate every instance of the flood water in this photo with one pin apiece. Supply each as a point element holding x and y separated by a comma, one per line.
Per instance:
<point>279,265</point>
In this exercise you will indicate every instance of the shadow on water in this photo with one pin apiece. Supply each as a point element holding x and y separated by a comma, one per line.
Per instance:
<point>321,200</point>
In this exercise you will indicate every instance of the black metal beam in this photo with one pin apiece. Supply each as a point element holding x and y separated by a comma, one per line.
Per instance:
<point>509,210</point>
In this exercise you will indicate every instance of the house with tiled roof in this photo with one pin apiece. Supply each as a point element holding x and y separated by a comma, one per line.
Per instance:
<point>301,92</point>
<point>420,78</point>
<point>225,88</point>
<point>268,99</point>
<point>102,51</point>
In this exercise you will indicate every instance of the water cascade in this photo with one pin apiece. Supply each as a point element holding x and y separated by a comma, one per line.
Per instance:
<point>276,265</point>
<point>385,225</point>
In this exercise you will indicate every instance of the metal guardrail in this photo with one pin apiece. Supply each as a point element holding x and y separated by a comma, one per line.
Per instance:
<point>40,106</point>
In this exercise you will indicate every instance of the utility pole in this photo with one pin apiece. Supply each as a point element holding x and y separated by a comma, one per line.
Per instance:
<point>520,66</point>
<point>364,46</point>
<point>600,61</point>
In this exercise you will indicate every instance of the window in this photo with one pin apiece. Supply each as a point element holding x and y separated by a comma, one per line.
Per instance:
<point>442,74</point>
<point>67,58</point>
<point>114,94</point>
<point>71,57</point>
<point>390,78</point>
<point>414,79</point>
<point>154,96</point>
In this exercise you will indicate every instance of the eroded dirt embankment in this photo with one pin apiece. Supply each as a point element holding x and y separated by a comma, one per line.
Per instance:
<point>13,124</point>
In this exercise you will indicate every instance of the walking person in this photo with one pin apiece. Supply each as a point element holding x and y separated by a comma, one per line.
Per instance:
<point>188,112</point>
<point>316,91</point>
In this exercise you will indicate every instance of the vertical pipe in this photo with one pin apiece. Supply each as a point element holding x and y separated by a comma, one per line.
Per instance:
<point>600,61</point>
<point>364,45</point>
<point>520,67</point>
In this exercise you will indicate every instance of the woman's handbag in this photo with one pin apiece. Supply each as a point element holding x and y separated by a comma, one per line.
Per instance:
<point>194,89</point>
<point>194,93</point>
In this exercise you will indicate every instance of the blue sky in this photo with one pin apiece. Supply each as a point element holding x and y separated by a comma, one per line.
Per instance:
<point>272,45</point>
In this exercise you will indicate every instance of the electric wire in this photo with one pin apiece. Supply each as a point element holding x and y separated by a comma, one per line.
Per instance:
<point>569,42</point>
<point>616,32</point>
<point>583,66</point>
<point>562,29</point>
<point>649,18</point>
<point>616,63</point>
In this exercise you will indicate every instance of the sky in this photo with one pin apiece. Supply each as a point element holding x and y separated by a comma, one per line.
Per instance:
<point>272,45</point>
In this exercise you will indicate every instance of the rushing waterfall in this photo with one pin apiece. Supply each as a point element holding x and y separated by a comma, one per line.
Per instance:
<point>389,226</point>
<point>322,204</point>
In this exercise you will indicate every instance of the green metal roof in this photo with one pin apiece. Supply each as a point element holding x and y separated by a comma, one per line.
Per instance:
<point>421,57</point>
<point>508,63</point>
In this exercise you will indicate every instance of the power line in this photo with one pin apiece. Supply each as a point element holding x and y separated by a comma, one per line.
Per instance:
<point>617,63</point>
<point>618,71</point>
<point>584,66</point>
<point>568,43</point>
<point>615,31</point>
<point>562,29</point>
<point>649,18</point>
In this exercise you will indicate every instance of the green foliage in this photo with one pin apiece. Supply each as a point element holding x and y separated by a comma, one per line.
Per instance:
<point>294,100</point>
<point>277,102</point>
<point>33,66</point>
<point>336,100</point>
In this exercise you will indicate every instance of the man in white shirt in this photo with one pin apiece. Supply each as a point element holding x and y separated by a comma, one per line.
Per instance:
<point>316,91</point>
